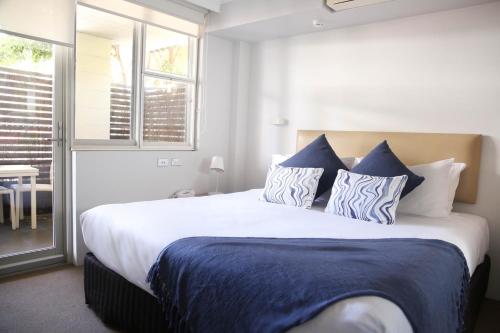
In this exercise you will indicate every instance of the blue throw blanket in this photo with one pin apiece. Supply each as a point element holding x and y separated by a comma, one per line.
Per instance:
<point>217,284</point>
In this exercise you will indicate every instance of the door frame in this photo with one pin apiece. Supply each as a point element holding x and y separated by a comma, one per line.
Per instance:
<point>58,254</point>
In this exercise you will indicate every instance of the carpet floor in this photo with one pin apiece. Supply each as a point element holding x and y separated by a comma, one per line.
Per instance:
<point>52,301</point>
<point>47,301</point>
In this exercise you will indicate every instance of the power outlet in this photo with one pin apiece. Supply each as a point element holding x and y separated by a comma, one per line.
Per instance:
<point>163,162</point>
<point>176,162</point>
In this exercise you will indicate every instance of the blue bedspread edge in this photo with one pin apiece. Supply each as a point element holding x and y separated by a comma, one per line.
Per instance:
<point>174,265</point>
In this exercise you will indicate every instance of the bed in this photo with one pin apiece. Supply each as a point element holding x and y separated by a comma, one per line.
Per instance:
<point>125,240</point>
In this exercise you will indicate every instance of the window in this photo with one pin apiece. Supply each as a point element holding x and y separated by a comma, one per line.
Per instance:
<point>135,83</point>
<point>168,86</point>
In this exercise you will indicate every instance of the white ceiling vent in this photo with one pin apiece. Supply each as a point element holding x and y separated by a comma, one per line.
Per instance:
<point>338,5</point>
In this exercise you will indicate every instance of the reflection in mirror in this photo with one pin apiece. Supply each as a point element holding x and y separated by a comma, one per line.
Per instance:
<point>167,51</point>
<point>26,155</point>
<point>103,81</point>
<point>166,108</point>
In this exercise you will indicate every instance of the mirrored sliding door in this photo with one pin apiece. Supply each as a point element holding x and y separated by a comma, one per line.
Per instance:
<point>31,151</point>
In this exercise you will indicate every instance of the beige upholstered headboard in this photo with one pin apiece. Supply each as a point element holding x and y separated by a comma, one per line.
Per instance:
<point>412,149</point>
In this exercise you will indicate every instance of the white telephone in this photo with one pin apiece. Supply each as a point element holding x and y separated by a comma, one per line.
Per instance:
<point>184,193</point>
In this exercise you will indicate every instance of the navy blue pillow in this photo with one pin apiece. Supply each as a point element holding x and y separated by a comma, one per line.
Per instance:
<point>318,154</point>
<point>382,162</point>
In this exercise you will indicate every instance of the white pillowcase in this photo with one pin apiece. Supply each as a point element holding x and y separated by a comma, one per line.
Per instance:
<point>348,162</point>
<point>434,197</point>
<point>356,161</point>
<point>456,170</point>
<point>279,158</point>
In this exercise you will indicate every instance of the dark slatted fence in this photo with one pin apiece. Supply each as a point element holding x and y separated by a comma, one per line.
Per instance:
<point>165,114</point>
<point>26,120</point>
<point>120,112</point>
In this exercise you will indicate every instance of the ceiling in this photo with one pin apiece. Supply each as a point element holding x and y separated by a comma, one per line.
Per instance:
<point>104,25</point>
<point>260,20</point>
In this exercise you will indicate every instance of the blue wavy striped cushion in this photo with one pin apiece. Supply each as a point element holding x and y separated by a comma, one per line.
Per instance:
<point>367,198</point>
<point>291,186</point>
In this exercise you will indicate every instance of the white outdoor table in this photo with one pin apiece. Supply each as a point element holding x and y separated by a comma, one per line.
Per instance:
<point>20,171</point>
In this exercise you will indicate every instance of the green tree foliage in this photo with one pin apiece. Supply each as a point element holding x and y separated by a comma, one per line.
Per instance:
<point>175,60</point>
<point>14,49</point>
<point>172,59</point>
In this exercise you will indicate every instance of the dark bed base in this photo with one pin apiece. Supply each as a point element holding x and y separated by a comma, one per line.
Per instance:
<point>119,303</point>
<point>124,306</point>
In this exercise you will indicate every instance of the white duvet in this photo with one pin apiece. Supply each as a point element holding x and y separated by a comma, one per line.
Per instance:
<point>127,238</point>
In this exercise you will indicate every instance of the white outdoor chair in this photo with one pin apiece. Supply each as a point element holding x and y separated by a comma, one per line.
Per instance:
<point>27,188</point>
<point>4,190</point>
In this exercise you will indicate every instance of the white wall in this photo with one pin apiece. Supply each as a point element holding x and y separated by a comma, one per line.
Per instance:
<point>239,114</point>
<point>438,72</point>
<point>102,177</point>
<point>92,87</point>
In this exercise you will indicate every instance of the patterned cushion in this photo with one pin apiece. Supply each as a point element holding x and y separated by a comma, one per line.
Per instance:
<point>367,198</point>
<point>291,186</point>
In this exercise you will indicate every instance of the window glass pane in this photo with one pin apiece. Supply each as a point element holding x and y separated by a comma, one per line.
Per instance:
<point>26,85</point>
<point>166,110</point>
<point>103,83</point>
<point>167,51</point>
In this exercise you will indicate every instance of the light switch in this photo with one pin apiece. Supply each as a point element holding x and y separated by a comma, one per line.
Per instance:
<point>163,162</point>
<point>176,162</point>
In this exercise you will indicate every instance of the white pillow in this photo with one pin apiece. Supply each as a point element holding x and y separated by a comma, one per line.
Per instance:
<point>291,186</point>
<point>279,158</point>
<point>356,161</point>
<point>348,161</point>
<point>431,198</point>
<point>456,170</point>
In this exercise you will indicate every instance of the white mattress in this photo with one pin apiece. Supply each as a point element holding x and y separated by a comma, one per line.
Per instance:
<point>127,238</point>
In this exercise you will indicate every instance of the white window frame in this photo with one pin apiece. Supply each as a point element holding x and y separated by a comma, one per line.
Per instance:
<point>136,141</point>
<point>191,79</point>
